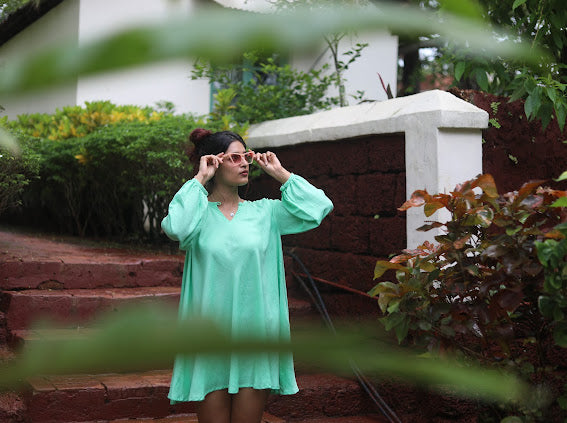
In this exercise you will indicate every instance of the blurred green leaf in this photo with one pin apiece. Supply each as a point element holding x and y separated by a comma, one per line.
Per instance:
<point>466,8</point>
<point>560,334</point>
<point>562,202</point>
<point>532,104</point>
<point>8,142</point>
<point>143,338</point>
<point>561,112</point>
<point>382,266</point>
<point>482,79</point>
<point>562,177</point>
<point>459,70</point>
<point>191,37</point>
<point>517,3</point>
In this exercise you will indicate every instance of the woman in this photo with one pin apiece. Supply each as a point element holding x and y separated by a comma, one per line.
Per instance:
<point>234,273</point>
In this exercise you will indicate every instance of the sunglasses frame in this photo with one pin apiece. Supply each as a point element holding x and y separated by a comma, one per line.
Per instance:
<point>248,157</point>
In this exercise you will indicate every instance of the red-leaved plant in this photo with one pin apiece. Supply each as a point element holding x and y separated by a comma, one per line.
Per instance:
<point>476,290</point>
<point>493,289</point>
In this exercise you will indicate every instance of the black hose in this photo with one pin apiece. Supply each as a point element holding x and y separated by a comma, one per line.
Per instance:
<point>319,303</point>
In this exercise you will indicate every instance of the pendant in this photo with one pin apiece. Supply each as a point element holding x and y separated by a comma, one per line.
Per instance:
<point>232,214</point>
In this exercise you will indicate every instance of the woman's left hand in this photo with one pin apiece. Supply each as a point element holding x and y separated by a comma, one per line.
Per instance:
<point>270,163</point>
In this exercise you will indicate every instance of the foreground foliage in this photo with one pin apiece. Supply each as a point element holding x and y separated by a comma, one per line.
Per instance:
<point>121,334</point>
<point>479,292</point>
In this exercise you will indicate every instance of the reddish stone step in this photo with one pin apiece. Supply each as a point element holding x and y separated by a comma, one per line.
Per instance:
<point>88,398</point>
<point>12,407</point>
<point>321,395</point>
<point>76,306</point>
<point>82,398</point>
<point>347,419</point>
<point>99,273</point>
<point>27,337</point>
<point>35,262</point>
<point>189,418</point>
<point>30,262</point>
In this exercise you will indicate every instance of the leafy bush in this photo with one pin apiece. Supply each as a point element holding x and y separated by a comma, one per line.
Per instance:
<point>104,170</point>
<point>119,177</point>
<point>542,83</point>
<point>77,121</point>
<point>272,91</point>
<point>480,292</point>
<point>16,172</point>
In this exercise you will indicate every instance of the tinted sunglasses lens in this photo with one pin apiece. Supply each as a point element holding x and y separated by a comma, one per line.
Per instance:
<point>234,158</point>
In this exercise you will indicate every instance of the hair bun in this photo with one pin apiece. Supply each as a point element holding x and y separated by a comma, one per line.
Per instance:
<point>198,134</point>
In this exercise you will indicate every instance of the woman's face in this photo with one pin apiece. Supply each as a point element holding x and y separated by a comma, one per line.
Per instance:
<point>233,174</point>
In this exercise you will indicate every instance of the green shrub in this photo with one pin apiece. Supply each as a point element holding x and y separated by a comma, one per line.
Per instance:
<point>78,121</point>
<point>137,168</point>
<point>552,254</point>
<point>117,178</point>
<point>271,90</point>
<point>113,181</point>
<point>16,172</point>
<point>61,190</point>
<point>478,293</point>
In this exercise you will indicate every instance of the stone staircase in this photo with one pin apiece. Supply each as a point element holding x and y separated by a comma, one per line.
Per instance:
<point>71,284</point>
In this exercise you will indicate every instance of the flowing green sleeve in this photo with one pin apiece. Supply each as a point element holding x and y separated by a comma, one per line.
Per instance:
<point>186,213</point>
<point>302,206</point>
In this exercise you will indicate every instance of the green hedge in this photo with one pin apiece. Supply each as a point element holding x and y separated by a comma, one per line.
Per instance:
<point>16,173</point>
<point>115,182</point>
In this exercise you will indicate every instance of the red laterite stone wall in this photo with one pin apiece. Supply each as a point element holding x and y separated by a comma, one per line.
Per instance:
<point>518,151</point>
<point>365,179</point>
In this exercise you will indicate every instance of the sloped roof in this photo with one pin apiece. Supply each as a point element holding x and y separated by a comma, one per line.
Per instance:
<point>259,6</point>
<point>31,12</point>
<point>24,17</point>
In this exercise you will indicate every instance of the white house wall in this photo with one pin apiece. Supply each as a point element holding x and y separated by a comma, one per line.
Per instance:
<point>59,25</point>
<point>81,21</point>
<point>145,85</point>
<point>379,57</point>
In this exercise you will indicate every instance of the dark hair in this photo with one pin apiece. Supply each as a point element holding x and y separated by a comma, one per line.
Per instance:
<point>206,142</point>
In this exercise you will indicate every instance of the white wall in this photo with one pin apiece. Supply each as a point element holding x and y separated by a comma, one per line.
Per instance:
<point>99,18</point>
<point>59,25</point>
<point>81,21</point>
<point>380,56</point>
<point>145,85</point>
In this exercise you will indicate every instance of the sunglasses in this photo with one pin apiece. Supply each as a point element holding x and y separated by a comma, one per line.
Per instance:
<point>236,158</point>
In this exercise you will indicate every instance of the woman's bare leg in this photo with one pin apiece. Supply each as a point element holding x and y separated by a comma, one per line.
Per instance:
<point>248,405</point>
<point>215,408</point>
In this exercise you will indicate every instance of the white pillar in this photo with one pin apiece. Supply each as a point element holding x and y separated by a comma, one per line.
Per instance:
<point>443,140</point>
<point>437,159</point>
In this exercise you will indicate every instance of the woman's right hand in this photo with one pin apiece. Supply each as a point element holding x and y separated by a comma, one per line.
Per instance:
<point>208,165</point>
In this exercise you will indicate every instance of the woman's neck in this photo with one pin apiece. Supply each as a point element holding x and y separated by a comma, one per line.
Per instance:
<point>225,194</point>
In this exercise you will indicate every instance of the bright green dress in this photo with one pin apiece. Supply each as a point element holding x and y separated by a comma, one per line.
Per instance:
<point>234,274</point>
